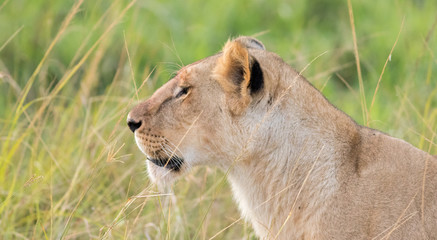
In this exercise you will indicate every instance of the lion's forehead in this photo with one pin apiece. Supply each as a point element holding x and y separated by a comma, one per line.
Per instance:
<point>185,71</point>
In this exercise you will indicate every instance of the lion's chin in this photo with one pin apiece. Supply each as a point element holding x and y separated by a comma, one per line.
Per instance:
<point>162,175</point>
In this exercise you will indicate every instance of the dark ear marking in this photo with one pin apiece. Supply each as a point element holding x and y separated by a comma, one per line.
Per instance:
<point>250,42</point>
<point>256,77</point>
<point>258,44</point>
<point>238,74</point>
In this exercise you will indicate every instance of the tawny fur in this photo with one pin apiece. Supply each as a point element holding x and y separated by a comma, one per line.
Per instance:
<point>299,167</point>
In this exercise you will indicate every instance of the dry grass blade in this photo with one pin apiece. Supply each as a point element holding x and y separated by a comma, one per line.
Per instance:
<point>3,4</point>
<point>126,206</point>
<point>357,61</point>
<point>383,69</point>
<point>11,37</point>
<point>130,65</point>
<point>225,228</point>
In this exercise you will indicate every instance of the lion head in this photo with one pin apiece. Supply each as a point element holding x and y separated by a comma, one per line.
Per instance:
<point>205,114</point>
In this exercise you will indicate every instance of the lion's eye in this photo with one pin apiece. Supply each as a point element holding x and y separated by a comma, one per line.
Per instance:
<point>182,92</point>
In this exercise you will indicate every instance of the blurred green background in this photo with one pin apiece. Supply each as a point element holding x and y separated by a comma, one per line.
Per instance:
<point>69,167</point>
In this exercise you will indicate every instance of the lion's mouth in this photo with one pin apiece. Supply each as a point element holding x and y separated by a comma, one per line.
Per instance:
<point>174,163</point>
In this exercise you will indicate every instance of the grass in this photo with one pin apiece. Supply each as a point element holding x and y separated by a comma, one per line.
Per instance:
<point>71,70</point>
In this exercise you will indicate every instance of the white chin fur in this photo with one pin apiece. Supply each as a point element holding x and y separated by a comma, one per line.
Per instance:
<point>162,176</point>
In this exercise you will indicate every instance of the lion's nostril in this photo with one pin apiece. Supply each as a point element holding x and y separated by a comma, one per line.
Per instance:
<point>133,125</point>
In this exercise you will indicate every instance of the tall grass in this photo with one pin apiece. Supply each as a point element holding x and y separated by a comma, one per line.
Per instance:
<point>71,70</point>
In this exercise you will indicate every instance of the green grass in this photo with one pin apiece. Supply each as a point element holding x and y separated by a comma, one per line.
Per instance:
<point>69,167</point>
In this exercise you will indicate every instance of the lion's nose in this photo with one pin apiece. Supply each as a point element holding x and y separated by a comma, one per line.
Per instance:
<point>133,125</point>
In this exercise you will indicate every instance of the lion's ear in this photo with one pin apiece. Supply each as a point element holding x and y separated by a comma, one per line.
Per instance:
<point>239,74</point>
<point>250,42</point>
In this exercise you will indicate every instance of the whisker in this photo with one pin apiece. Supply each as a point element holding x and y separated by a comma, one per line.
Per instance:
<point>172,145</point>
<point>177,159</point>
<point>179,153</point>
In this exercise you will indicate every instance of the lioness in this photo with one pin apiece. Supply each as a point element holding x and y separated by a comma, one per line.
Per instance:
<point>299,167</point>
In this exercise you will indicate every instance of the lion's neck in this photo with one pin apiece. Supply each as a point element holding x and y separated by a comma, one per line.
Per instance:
<point>273,187</point>
<point>290,179</point>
